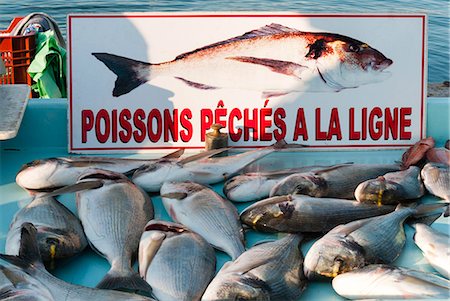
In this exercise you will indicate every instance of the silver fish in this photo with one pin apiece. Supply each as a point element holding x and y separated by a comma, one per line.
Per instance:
<point>59,231</point>
<point>436,178</point>
<point>392,188</point>
<point>176,262</point>
<point>338,181</point>
<point>298,213</point>
<point>29,261</point>
<point>113,212</point>
<point>206,213</point>
<point>381,281</point>
<point>52,173</point>
<point>435,247</point>
<point>255,186</point>
<point>17,285</point>
<point>373,240</point>
<point>199,168</point>
<point>273,59</point>
<point>268,271</point>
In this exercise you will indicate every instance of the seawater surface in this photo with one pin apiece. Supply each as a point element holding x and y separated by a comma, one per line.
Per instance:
<point>437,11</point>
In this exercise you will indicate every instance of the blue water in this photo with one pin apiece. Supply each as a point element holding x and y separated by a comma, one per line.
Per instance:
<point>437,10</point>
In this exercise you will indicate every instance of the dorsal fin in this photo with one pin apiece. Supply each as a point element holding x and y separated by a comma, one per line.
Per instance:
<point>267,30</point>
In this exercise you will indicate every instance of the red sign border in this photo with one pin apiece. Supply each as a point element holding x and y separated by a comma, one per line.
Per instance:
<point>256,15</point>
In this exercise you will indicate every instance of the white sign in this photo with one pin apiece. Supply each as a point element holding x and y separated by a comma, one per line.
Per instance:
<point>155,81</point>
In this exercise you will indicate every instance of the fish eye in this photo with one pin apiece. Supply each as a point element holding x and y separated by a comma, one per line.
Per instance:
<point>354,48</point>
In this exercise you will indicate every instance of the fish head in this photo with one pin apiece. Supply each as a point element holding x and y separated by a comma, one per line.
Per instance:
<point>331,256</point>
<point>180,190</point>
<point>38,173</point>
<point>238,287</point>
<point>379,191</point>
<point>344,62</point>
<point>240,187</point>
<point>302,183</point>
<point>55,243</point>
<point>269,215</point>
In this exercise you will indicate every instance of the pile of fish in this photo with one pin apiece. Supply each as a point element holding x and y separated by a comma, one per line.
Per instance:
<point>356,213</point>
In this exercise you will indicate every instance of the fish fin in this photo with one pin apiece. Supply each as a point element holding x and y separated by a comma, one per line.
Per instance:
<point>75,187</point>
<point>29,256</point>
<point>127,70</point>
<point>280,144</point>
<point>147,252</point>
<point>174,155</point>
<point>202,155</point>
<point>131,282</point>
<point>271,94</point>
<point>346,229</point>
<point>196,85</point>
<point>278,66</point>
<point>267,30</point>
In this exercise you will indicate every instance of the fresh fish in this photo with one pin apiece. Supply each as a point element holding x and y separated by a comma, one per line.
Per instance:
<point>435,247</point>
<point>268,271</point>
<point>338,181</point>
<point>299,213</point>
<point>199,168</point>
<point>206,213</point>
<point>273,59</point>
<point>255,186</point>
<point>436,178</point>
<point>438,155</point>
<point>392,188</point>
<point>416,153</point>
<point>351,246</point>
<point>50,174</point>
<point>177,263</point>
<point>17,285</point>
<point>384,282</point>
<point>29,261</point>
<point>113,212</point>
<point>59,231</point>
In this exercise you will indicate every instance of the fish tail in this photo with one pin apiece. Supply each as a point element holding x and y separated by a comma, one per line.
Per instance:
<point>29,257</point>
<point>428,213</point>
<point>131,282</point>
<point>130,73</point>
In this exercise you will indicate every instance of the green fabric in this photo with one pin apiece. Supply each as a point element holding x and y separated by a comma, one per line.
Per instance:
<point>48,68</point>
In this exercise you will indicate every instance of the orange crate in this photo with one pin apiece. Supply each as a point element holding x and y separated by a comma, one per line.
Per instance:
<point>17,54</point>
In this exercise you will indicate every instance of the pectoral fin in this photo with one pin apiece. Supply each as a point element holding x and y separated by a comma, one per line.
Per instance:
<point>148,251</point>
<point>283,67</point>
<point>196,85</point>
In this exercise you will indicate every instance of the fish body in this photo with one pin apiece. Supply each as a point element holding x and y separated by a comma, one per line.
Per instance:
<point>384,282</point>
<point>17,285</point>
<point>203,170</point>
<point>438,155</point>
<point>347,247</point>
<point>59,231</point>
<point>52,173</point>
<point>274,59</point>
<point>30,263</point>
<point>176,262</point>
<point>256,186</point>
<point>436,178</point>
<point>417,152</point>
<point>113,216</point>
<point>206,213</point>
<point>268,271</point>
<point>299,213</point>
<point>392,188</point>
<point>435,247</point>
<point>338,181</point>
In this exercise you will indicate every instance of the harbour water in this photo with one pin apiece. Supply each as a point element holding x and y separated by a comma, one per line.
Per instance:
<point>437,11</point>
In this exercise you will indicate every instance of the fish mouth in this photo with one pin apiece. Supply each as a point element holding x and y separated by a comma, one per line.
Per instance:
<point>382,65</point>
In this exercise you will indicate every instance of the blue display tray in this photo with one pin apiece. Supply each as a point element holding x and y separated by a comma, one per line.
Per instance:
<point>44,134</point>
